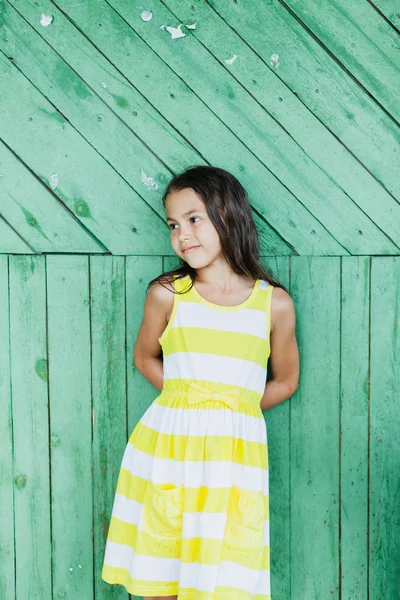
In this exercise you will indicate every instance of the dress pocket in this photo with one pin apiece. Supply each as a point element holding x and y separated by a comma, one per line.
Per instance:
<point>244,532</point>
<point>162,510</point>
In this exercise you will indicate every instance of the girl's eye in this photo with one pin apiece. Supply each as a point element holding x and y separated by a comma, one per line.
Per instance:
<point>195,217</point>
<point>171,225</point>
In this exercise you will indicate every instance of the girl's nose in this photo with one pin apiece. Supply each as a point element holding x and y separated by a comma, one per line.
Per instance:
<point>183,236</point>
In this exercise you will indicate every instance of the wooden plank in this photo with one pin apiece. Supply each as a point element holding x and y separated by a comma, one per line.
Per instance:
<point>292,120</point>
<point>314,431</point>
<point>7,524</point>
<point>109,412</point>
<point>354,427</point>
<point>278,427</point>
<point>282,155</point>
<point>30,416</point>
<point>141,393</point>
<point>319,83</point>
<point>36,214</point>
<point>390,9</point>
<point>216,142</point>
<point>125,137</point>
<point>360,40</point>
<point>10,241</point>
<point>48,144</point>
<point>384,503</point>
<point>70,426</point>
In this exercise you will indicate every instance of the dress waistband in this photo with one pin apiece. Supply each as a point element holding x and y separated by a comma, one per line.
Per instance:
<point>197,394</point>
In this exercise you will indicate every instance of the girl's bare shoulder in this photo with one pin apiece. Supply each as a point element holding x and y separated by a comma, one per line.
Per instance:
<point>160,297</point>
<point>282,307</point>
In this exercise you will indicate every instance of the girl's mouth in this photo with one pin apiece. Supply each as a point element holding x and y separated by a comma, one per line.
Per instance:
<point>189,249</point>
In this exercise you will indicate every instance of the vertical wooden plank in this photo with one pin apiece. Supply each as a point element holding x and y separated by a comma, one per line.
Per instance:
<point>30,426</point>
<point>71,428</point>
<point>139,271</point>
<point>384,514</point>
<point>170,262</point>
<point>108,337</point>
<point>314,422</point>
<point>7,575</point>
<point>354,427</point>
<point>278,428</point>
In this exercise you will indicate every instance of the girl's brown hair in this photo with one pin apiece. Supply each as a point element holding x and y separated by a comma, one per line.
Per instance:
<point>229,210</point>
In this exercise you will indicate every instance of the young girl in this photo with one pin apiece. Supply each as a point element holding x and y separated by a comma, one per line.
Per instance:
<point>191,512</point>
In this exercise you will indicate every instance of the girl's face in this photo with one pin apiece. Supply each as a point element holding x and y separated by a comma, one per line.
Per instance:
<point>193,236</point>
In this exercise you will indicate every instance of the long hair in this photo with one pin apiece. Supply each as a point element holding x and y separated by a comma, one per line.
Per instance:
<point>229,210</point>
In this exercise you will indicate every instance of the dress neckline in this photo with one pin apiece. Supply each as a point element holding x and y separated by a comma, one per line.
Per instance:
<point>222,306</point>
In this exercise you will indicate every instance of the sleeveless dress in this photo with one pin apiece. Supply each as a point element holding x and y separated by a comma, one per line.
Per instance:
<point>191,510</point>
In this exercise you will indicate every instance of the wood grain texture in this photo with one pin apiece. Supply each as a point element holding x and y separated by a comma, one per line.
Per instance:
<point>354,365</point>
<point>314,431</point>
<point>75,399</point>
<point>68,305</point>
<point>278,430</point>
<point>244,106</point>
<point>7,524</point>
<point>11,241</point>
<point>30,419</point>
<point>109,400</point>
<point>320,84</point>
<point>384,503</point>
<point>48,144</point>
<point>361,41</point>
<point>130,140</point>
<point>36,214</point>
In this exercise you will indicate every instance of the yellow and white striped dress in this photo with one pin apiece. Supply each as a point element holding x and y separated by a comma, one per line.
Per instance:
<point>191,509</point>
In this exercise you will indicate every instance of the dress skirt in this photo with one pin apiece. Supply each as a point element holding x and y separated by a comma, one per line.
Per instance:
<point>191,509</point>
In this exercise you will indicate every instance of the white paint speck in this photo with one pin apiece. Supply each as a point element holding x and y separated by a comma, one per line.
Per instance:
<point>53,181</point>
<point>71,569</point>
<point>46,20</point>
<point>193,26</point>
<point>80,566</point>
<point>146,15</point>
<point>230,60</point>
<point>274,60</point>
<point>175,32</point>
<point>148,181</point>
<point>103,83</point>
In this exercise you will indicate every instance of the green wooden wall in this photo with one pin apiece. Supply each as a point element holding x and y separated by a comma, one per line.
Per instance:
<point>306,116</point>
<point>98,109</point>
<point>72,397</point>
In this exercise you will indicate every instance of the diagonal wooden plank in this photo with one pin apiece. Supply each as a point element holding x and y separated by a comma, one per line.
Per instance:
<point>320,83</point>
<point>306,133</point>
<point>32,210</point>
<point>390,9</point>
<point>11,241</point>
<point>360,40</point>
<point>96,194</point>
<point>215,141</point>
<point>125,137</point>
<point>251,123</point>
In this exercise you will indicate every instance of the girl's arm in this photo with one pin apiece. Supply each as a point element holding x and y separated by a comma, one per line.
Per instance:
<point>284,356</point>
<point>147,351</point>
